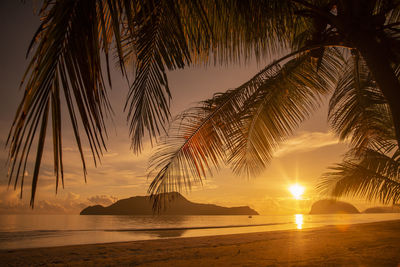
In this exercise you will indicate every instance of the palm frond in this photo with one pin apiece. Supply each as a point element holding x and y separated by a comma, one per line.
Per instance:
<point>159,44</point>
<point>277,107</point>
<point>66,58</point>
<point>196,140</point>
<point>358,111</point>
<point>375,176</point>
<point>200,137</point>
<point>257,28</point>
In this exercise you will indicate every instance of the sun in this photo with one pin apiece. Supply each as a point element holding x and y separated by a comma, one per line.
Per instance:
<point>296,190</point>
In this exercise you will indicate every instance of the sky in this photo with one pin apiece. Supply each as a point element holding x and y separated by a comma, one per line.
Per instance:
<point>302,159</point>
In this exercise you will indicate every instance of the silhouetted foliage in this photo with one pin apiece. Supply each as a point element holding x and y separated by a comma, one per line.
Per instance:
<point>242,126</point>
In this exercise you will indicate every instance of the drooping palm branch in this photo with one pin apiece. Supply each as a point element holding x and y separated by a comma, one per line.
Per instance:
<point>66,61</point>
<point>277,107</point>
<point>159,44</point>
<point>243,126</point>
<point>358,111</point>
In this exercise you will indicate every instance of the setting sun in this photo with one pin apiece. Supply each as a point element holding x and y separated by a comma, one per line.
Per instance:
<point>296,190</point>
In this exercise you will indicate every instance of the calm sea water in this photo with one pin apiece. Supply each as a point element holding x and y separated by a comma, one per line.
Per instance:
<point>27,231</point>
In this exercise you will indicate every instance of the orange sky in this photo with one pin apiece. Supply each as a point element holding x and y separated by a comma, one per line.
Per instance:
<point>122,174</point>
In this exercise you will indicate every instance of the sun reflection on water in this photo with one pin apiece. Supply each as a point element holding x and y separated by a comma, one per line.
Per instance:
<point>299,220</point>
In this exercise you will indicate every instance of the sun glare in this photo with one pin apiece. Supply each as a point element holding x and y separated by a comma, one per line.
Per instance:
<point>296,190</point>
<point>299,220</point>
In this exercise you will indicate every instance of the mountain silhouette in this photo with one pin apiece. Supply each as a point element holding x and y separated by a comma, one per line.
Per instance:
<point>391,209</point>
<point>179,205</point>
<point>329,206</point>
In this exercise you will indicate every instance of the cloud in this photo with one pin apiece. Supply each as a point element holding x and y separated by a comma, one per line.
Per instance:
<point>281,206</point>
<point>103,200</point>
<point>48,207</point>
<point>204,185</point>
<point>71,203</point>
<point>305,142</point>
<point>9,198</point>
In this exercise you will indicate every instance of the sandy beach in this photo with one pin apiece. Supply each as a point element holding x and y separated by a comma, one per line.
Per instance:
<point>372,244</point>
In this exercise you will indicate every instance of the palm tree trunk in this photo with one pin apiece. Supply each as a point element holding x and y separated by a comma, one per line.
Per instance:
<point>378,60</point>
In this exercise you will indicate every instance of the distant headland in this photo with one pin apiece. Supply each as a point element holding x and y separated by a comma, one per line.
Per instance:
<point>142,205</point>
<point>388,209</point>
<point>329,206</point>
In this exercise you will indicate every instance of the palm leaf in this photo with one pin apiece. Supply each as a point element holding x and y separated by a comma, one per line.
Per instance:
<point>277,107</point>
<point>67,58</point>
<point>159,44</point>
<point>358,111</point>
<point>195,142</point>
<point>200,137</point>
<point>375,176</point>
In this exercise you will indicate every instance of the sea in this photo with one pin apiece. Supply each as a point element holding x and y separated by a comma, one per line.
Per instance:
<point>32,231</point>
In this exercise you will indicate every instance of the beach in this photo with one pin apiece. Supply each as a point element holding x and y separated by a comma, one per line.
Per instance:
<point>369,244</point>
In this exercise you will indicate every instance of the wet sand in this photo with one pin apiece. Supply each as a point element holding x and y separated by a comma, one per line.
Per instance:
<point>372,244</point>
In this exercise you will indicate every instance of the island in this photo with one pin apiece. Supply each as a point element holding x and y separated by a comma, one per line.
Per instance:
<point>142,205</point>
<point>330,206</point>
<point>388,209</point>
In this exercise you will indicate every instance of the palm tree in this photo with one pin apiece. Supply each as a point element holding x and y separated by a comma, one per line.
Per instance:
<point>156,36</point>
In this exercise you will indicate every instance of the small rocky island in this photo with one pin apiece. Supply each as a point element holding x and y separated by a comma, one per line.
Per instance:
<point>142,205</point>
<point>330,206</point>
<point>388,209</point>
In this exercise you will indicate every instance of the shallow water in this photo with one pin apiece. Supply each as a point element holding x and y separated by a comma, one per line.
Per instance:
<point>27,231</point>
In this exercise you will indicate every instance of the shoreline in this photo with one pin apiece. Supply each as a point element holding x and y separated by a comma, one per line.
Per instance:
<point>61,234</point>
<point>370,244</point>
